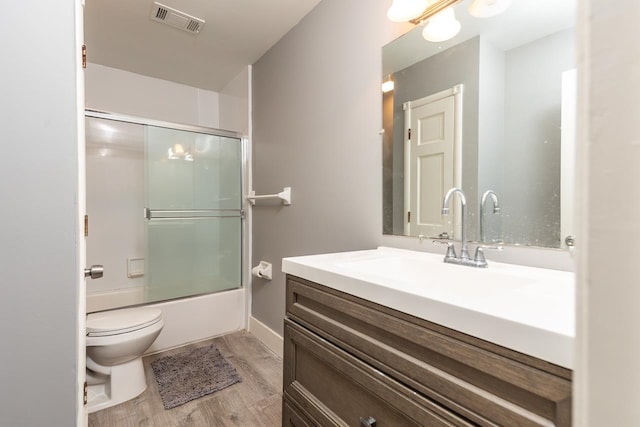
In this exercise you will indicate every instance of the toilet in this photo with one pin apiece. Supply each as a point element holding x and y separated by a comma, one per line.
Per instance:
<point>115,343</point>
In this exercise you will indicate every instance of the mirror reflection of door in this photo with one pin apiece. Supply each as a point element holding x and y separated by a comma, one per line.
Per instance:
<point>432,161</point>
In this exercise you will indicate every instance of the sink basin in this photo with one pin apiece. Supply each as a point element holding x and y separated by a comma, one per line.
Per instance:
<point>527,309</point>
<point>428,275</point>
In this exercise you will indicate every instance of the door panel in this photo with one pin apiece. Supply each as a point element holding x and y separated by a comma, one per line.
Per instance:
<point>430,164</point>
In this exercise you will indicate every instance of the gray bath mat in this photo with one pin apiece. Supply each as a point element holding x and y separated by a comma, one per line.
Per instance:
<point>192,374</point>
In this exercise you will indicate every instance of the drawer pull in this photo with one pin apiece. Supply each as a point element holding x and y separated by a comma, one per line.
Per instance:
<point>369,422</point>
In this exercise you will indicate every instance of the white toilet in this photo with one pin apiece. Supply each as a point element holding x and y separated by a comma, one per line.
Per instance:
<point>115,343</point>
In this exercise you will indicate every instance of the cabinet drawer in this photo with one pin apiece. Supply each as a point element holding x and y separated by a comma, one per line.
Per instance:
<point>483,382</point>
<point>334,388</point>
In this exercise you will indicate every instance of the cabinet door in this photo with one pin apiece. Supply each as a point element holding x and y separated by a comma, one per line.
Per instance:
<point>337,389</point>
<point>480,381</point>
<point>292,417</point>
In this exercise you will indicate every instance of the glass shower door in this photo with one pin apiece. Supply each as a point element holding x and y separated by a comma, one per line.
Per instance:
<point>193,227</point>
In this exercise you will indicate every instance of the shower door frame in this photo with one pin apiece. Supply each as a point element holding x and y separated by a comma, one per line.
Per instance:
<point>244,241</point>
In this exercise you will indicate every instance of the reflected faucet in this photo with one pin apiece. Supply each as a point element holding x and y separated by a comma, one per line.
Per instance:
<point>496,209</point>
<point>464,251</point>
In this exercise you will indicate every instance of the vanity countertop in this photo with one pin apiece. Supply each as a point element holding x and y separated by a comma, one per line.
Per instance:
<point>527,309</point>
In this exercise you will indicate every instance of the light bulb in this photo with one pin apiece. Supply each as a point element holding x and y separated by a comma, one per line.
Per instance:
<point>442,26</point>
<point>406,10</point>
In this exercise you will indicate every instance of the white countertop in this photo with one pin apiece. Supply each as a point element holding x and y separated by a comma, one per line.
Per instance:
<point>527,309</point>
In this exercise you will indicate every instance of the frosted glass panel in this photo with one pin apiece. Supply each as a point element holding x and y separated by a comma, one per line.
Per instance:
<point>194,199</point>
<point>165,208</point>
<point>192,256</point>
<point>188,170</point>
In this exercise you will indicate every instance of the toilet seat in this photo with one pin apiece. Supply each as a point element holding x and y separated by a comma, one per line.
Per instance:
<point>118,322</point>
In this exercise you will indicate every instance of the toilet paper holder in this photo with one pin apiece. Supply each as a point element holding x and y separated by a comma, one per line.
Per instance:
<point>263,270</point>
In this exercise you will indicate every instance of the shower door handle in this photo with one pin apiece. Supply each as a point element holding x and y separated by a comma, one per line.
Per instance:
<point>95,272</point>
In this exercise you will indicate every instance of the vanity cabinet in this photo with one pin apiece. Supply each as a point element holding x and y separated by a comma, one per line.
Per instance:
<point>351,362</point>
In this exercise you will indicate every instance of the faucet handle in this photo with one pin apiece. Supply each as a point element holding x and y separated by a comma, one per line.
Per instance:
<point>451,249</point>
<point>479,255</point>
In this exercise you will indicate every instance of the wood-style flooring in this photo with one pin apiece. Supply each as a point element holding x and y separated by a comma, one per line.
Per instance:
<point>256,401</point>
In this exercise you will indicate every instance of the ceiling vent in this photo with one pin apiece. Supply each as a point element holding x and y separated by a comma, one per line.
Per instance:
<point>175,18</point>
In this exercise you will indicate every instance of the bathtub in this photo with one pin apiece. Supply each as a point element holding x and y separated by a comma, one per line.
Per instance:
<point>186,320</point>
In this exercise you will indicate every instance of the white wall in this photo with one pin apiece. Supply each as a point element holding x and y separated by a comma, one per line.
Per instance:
<point>608,371</point>
<point>234,105</point>
<point>39,259</point>
<point>117,91</point>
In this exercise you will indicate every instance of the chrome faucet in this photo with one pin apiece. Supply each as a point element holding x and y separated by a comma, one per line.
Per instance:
<point>496,209</point>
<point>464,251</point>
<point>464,259</point>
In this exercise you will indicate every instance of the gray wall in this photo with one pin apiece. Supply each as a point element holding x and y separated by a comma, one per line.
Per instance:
<point>316,121</point>
<point>38,190</point>
<point>532,135</point>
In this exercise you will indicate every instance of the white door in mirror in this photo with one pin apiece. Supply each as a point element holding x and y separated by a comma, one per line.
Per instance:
<point>430,162</point>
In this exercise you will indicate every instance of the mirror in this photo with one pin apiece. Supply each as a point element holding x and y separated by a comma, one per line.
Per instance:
<point>491,109</point>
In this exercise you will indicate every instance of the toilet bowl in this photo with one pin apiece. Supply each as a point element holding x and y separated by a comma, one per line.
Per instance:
<point>115,343</point>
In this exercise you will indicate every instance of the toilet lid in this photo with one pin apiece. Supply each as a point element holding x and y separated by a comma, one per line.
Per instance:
<point>121,321</point>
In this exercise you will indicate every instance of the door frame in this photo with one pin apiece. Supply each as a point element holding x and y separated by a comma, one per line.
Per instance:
<point>82,414</point>
<point>455,91</point>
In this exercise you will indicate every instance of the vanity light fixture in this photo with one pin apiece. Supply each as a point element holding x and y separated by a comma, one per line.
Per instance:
<point>433,7</point>
<point>387,85</point>
<point>488,8</point>
<point>442,26</point>
<point>406,10</point>
<point>441,23</point>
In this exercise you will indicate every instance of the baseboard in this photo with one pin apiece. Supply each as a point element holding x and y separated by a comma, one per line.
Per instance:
<point>268,336</point>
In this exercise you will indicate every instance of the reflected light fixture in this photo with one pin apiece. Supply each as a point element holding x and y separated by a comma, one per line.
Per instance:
<point>177,152</point>
<point>387,85</point>
<point>406,10</point>
<point>488,8</point>
<point>442,26</point>
<point>178,149</point>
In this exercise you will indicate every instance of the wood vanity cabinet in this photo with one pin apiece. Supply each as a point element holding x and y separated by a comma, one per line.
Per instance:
<point>351,362</point>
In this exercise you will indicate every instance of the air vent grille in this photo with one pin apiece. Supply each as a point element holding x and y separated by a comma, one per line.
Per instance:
<point>161,13</point>
<point>176,18</point>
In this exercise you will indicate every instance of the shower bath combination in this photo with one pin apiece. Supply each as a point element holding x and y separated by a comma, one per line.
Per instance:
<point>165,206</point>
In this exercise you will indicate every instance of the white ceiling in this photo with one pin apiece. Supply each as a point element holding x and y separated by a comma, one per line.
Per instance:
<point>121,34</point>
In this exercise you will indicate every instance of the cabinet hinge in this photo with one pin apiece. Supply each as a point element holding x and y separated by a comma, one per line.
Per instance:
<point>86,389</point>
<point>86,226</point>
<point>84,56</point>
<point>409,216</point>
<point>409,133</point>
